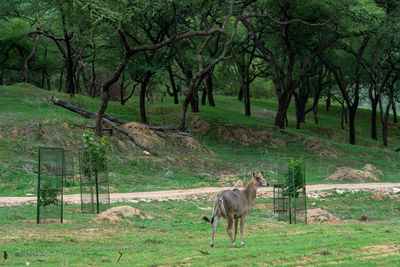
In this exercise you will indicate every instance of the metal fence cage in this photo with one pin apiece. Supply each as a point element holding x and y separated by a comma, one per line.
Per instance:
<point>290,202</point>
<point>50,184</point>
<point>95,193</point>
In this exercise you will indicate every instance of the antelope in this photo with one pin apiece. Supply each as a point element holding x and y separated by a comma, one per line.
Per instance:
<point>234,204</point>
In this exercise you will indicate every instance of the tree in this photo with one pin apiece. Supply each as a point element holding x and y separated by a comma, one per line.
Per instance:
<point>119,14</point>
<point>349,85</point>
<point>283,41</point>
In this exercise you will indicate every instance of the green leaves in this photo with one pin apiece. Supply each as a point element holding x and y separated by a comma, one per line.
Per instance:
<point>94,155</point>
<point>294,176</point>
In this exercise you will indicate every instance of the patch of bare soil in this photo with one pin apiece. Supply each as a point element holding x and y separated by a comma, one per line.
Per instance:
<point>320,215</point>
<point>368,172</point>
<point>117,214</point>
<point>380,248</point>
<point>198,124</point>
<point>320,147</point>
<point>381,195</point>
<point>246,137</point>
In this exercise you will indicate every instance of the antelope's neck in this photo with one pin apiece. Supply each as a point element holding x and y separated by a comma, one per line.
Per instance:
<point>250,191</point>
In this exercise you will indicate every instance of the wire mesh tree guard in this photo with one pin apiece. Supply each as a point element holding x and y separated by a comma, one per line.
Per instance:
<point>94,185</point>
<point>57,170</point>
<point>51,175</point>
<point>290,198</point>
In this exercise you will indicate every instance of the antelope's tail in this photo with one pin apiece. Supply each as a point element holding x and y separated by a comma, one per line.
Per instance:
<point>218,209</point>
<point>206,218</point>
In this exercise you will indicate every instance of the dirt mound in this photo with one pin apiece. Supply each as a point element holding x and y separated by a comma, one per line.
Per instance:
<point>198,124</point>
<point>320,147</point>
<point>246,137</point>
<point>320,215</point>
<point>117,214</point>
<point>186,141</point>
<point>143,134</point>
<point>368,172</point>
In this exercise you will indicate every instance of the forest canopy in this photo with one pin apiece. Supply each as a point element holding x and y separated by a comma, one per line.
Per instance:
<point>298,52</point>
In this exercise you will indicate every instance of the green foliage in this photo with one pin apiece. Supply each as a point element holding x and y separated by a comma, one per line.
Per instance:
<point>294,177</point>
<point>49,192</point>
<point>95,154</point>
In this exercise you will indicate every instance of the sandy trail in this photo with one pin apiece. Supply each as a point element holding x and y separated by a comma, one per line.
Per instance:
<point>182,194</point>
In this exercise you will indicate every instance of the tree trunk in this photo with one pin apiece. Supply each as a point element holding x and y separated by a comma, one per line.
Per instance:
<point>328,100</point>
<point>352,129</point>
<point>246,99</point>
<point>374,104</point>
<point>61,78</point>
<point>300,106</point>
<point>203,96</point>
<point>283,104</point>
<point>1,77</point>
<point>105,95</point>
<point>121,90</point>
<point>209,89</point>
<point>173,85</point>
<point>298,111</point>
<point>342,117</point>
<point>70,68</point>
<point>315,111</point>
<point>78,81</point>
<point>31,55</point>
<point>48,81</point>
<point>240,94</point>
<point>143,87</point>
<point>394,109</point>
<point>43,78</point>
<point>384,120</point>
<point>194,102</point>
<point>186,101</point>
<point>149,93</point>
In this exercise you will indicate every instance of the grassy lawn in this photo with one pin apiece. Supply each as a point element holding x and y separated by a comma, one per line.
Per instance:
<point>177,236</point>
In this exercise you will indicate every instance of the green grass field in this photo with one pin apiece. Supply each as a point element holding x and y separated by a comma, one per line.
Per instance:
<point>177,235</point>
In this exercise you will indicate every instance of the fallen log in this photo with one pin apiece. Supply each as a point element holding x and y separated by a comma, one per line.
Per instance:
<point>106,120</point>
<point>83,112</point>
<point>91,115</point>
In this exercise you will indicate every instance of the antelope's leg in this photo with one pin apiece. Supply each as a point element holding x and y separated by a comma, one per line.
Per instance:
<point>214,226</point>
<point>229,230</point>
<point>236,225</point>
<point>241,228</point>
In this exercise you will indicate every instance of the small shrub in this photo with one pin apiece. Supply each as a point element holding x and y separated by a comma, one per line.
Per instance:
<point>294,177</point>
<point>94,155</point>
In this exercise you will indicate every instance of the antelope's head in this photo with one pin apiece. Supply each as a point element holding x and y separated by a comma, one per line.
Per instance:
<point>259,179</point>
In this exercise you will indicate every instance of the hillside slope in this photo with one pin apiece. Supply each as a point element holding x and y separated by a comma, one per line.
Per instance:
<point>229,146</point>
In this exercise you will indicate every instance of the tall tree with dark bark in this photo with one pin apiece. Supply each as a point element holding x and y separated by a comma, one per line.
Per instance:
<point>349,87</point>
<point>289,31</point>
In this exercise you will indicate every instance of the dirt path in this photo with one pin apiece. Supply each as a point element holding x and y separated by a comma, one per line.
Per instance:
<point>181,194</point>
